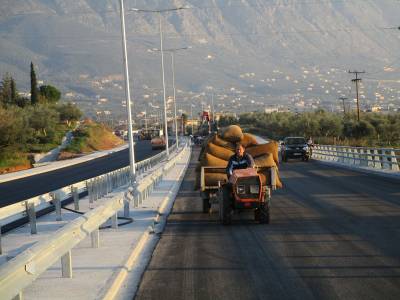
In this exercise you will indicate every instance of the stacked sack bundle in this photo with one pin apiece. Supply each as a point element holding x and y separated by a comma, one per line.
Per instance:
<point>218,148</point>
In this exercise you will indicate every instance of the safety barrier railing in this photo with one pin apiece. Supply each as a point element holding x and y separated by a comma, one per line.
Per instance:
<point>25,268</point>
<point>377,158</point>
<point>95,187</point>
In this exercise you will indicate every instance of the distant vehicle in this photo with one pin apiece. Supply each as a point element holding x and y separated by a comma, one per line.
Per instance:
<point>295,147</point>
<point>158,143</point>
<point>198,140</point>
<point>148,134</point>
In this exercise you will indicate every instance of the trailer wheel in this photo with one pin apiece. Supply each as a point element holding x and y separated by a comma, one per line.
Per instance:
<point>225,200</point>
<point>205,196</point>
<point>206,205</point>
<point>263,214</point>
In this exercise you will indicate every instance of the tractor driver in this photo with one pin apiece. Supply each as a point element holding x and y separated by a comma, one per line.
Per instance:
<point>240,160</point>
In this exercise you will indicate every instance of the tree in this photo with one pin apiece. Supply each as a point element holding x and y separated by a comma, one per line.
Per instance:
<point>43,120</point>
<point>13,128</point>
<point>330,125</point>
<point>184,122</point>
<point>50,93</point>
<point>227,120</point>
<point>68,113</point>
<point>7,90</point>
<point>13,91</point>
<point>34,87</point>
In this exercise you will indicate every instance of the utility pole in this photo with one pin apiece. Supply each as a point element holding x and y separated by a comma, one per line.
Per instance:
<point>356,80</point>
<point>344,107</point>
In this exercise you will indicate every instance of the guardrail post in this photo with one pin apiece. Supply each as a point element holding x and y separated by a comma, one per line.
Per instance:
<point>357,157</point>
<point>114,221</point>
<point>343,153</point>
<point>66,265</point>
<point>109,182</point>
<point>377,160</point>
<point>386,160</point>
<point>90,192</point>
<point>322,153</point>
<point>30,211</point>
<point>75,196</point>
<point>99,188</point>
<point>126,209</point>
<point>352,156</point>
<point>127,199</point>
<point>95,237</point>
<point>340,153</point>
<point>363,158</point>
<point>395,164</point>
<point>57,203</point>
<point>370,160</point>
<point>331,153</point>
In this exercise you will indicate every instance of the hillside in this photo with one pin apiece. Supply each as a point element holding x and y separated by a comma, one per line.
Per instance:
<point>266,51</point>
<point>90,137</point>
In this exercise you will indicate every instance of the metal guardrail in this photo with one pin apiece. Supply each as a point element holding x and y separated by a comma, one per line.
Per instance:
<point>96,187</point>
<point>377,158</point>
<point>21,271</point>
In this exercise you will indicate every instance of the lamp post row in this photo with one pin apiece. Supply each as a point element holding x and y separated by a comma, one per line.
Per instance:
<point>160,11</point>
<point>127,86</point>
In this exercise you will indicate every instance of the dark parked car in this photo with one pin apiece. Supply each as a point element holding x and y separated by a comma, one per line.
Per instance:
<point>295,147</point>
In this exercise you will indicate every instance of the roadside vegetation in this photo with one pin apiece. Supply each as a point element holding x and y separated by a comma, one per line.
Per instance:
<point>31,125</point>
<point>90,137</point>
<point>374,129</point>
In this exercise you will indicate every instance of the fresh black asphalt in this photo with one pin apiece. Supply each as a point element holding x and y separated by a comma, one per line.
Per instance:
<point>335,234</point>
<point>25,188</point>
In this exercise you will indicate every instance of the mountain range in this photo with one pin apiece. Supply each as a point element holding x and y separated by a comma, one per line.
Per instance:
<point>269,51</point>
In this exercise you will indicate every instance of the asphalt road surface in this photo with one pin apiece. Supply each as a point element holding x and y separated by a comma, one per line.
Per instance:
<point>25,188</point>
<point>335,234</point>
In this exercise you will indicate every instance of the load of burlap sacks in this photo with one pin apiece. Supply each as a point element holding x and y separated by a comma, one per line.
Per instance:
<point>218,148</point>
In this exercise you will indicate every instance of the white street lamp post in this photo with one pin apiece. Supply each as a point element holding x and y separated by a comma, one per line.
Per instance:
<point>191,116</point>
<point>173,85</point>
<point>162,65</point>
<point>128,96</point>
<point>163,82</point>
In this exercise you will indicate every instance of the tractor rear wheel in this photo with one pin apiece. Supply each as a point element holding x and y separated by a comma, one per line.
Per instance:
<point>225,205</point>
<point>263,214</point>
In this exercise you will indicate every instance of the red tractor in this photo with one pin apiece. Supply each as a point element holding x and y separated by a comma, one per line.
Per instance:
<point>244,192</point>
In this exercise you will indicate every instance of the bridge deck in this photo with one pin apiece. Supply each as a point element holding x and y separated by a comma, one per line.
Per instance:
<point>334,234</point>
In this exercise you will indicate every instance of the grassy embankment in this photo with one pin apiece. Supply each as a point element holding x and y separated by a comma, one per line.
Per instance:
<point>19,158</point>
<point>90,137</point>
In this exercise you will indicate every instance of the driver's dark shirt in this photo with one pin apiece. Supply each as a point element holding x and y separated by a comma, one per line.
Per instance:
<point>235,162</point>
